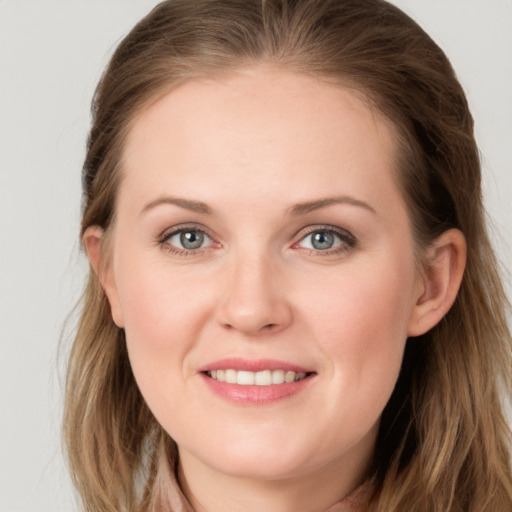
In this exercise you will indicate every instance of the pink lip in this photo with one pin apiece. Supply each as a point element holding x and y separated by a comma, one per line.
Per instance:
<point>254,395</point>
<point>234,363</point>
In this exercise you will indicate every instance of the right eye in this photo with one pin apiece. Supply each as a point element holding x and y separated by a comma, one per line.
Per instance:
<point>186,240</point>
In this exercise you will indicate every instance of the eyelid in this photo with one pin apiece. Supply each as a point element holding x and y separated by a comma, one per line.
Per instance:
<point>162,241</point>
<point>169,232</point>
<point>348,240</point>
<point>343,233</point>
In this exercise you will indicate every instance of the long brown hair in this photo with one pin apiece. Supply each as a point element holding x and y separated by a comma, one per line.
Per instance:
<point>443,444</point>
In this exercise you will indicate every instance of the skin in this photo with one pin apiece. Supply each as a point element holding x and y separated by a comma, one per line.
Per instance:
<point>250,146</point>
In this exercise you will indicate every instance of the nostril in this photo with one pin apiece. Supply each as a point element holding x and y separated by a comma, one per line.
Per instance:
<point>255,317</point>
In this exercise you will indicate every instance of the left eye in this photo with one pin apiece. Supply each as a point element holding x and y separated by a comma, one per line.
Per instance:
<point>189,239</point>
<point>323,240</point>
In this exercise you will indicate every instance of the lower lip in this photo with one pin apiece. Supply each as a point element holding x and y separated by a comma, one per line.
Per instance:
<point>256,395</point>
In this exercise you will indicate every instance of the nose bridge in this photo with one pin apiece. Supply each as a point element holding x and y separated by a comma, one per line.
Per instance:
<point>254,299</point>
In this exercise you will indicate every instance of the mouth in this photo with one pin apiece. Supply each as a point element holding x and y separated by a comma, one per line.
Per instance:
<point>259,378</point>
<point>260,382</point>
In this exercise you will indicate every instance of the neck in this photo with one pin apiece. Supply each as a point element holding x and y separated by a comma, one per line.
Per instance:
<point>211,491</point>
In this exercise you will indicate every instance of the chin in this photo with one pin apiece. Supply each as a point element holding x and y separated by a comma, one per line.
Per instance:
<point>273,467</point>
<point>263,460</point>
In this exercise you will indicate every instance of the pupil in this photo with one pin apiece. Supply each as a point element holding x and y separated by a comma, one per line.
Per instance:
<point>322,240</point>
<point>191,239</point>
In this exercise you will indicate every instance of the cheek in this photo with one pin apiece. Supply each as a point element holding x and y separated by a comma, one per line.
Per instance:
<point>361,318</point>
<point>163,316</point>
<point>163,321</point>
<point>365,297</point>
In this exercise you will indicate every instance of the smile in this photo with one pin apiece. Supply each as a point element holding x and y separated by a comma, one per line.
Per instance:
<point>256,382</point>
<point>260,378</point>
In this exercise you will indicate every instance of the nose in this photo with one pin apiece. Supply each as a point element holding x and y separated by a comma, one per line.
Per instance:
<point>254,299</point>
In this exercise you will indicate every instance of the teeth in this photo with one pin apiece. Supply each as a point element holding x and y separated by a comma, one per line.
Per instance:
<point>230,376</point>
<point>262,378</point>
<point>289,377</point>
<point>245,378</point>
<point>278,377</point>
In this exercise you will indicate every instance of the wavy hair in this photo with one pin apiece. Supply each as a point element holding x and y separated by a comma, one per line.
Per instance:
<point>444,444</point>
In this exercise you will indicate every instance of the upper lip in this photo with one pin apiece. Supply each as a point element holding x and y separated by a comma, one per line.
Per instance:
<point>258,365</point>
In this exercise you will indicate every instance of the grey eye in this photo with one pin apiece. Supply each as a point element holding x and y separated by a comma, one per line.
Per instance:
<point>189,239</point>
<point>322,240</point>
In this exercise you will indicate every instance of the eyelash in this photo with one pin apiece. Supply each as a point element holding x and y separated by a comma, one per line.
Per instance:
<point>347,240</point>
<point>163,240</point>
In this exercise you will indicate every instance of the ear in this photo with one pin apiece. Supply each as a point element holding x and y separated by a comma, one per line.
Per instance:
<point>440,282</point>
<point>101,264</point>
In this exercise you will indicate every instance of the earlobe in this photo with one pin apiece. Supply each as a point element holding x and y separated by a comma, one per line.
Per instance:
<point>441,281</point>
<point>93,240</point>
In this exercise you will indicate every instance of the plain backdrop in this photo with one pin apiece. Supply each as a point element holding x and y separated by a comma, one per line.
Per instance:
<point>52,55</point>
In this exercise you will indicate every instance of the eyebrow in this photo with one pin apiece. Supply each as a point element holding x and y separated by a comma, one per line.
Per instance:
<point>187,204</point>
<point>295,210</point>
<point>309,206</point>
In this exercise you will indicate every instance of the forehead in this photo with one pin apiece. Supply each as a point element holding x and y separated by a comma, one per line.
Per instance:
<point>254,131</point>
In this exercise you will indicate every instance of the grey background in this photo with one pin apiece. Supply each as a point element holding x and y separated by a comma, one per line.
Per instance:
<point>52,54</point>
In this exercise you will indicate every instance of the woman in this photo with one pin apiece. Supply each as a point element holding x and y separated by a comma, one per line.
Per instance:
<point>293,303</point>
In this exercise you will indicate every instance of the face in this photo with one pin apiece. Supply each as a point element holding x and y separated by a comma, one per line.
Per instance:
<point>263,270</point>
